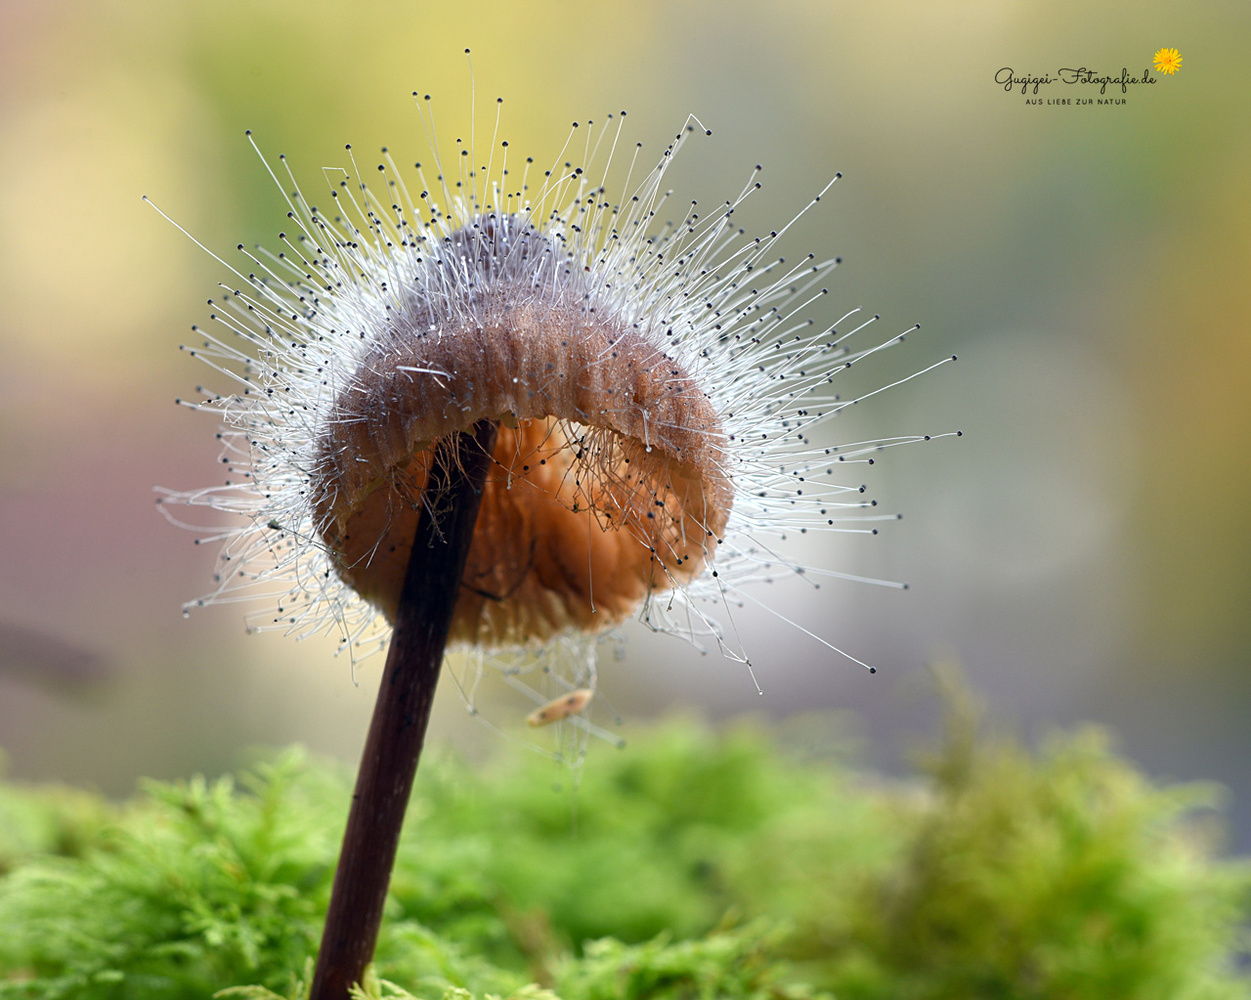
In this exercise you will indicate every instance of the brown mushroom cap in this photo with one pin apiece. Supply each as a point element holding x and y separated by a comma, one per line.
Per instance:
<point>608,481</point>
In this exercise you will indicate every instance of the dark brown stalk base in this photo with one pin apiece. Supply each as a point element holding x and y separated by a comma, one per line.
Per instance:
<point>431,587</point>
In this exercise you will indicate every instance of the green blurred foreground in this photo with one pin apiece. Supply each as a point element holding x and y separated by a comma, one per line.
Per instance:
<point>688,865</point>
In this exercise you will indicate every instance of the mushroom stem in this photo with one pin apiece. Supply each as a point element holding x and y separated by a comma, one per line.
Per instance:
<point>389,762</point>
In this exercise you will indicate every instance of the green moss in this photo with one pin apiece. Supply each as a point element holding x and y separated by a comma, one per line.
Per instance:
<point>687,866</point>
<point>1061,875</point>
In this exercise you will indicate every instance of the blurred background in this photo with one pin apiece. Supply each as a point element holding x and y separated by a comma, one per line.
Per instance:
<point>1083,552</point>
